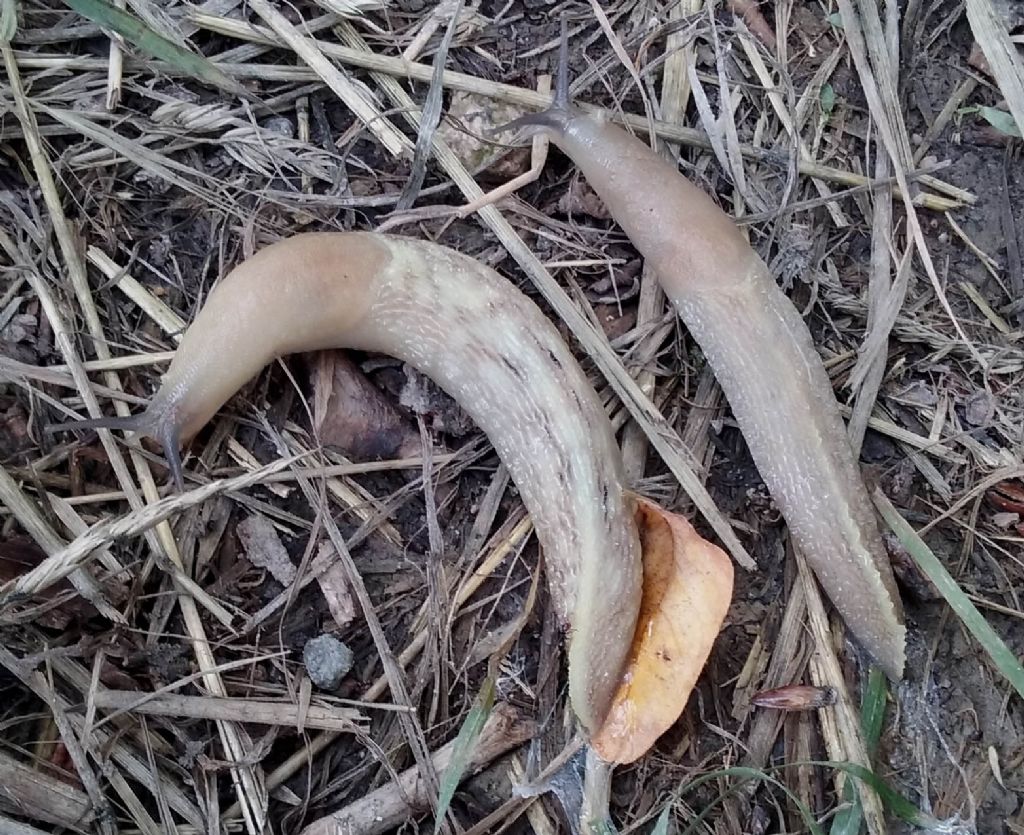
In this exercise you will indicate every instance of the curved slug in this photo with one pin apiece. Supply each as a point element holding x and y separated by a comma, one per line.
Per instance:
<point>491,349</point>
<point>763,356</point>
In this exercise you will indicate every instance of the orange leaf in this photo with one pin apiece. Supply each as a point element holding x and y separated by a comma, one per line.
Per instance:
<point>686,593</point>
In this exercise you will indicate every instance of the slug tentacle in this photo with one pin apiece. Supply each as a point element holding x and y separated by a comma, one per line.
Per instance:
<point>562,99</point>
<point>561,110</point>
<point>167,433</point>
<point>155,422</point>
<point>130,423</point>
<point>552,119</point>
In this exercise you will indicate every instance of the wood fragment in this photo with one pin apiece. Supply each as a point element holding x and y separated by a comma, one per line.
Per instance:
<point>844,739</point>
<point>390,805</point>
<point>76,752</point>
<point>114,73</point>
<point>282,713</point>
<point>9,826</point>
<point>41,797</point>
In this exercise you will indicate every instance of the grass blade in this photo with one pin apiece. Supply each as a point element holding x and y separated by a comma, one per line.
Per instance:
<point>872,709</point>
<point>464,743</point>
<point>1006,662</point>
<point>1001,120</point>
<point>893,800</point>
<point>139,35</point>
<point>992,36</point>
<point>8,20</point>
<point>872,713</point>
<point>661,824</point>
<point>748,774</point>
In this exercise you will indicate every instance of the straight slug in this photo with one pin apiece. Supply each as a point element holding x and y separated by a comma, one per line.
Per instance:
<point>762,354</point>
<point>488,346</point>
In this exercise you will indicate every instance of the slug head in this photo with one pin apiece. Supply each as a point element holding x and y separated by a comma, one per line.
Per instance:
<point>556,117</point>
<point>158,422</point>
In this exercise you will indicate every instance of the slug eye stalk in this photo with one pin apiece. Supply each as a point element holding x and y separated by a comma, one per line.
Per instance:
<point>557,115</point>
<point>158,425</point>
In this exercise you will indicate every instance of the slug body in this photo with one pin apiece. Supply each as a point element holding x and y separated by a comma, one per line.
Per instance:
<point>491,349</point>
<point>764,359</point>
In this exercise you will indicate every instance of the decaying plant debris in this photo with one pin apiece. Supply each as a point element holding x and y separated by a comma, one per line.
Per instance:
<point>873,154</point>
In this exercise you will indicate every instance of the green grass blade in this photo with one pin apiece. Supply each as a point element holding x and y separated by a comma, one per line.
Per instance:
<point>872,709</point>
<point>1001,120</point>
<point>872,713</point>
<point>848,821</point>
<point>896,803</point>
<point>1006,662</point>
<point>8,20</point>
<point>139,35</point>
<point>748,774</point>
<point>893,800</point>
<point>661,824</point>
<point>464,744</point>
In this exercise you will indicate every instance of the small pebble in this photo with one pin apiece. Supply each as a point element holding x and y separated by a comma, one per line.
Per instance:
<point>327,661</point>
<point>281,125</point>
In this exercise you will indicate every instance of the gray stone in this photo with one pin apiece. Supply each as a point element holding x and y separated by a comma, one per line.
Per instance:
<point>327,661</point>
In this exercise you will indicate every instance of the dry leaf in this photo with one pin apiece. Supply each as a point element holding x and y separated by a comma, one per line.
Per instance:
<point>263,548</point>
<point>356,416</point>
<point>755,20</point>
<point>1008,496</point>
<point>470,117</point>
<point>614,320</point>
<point>687,589</point>
<point>580,198</point>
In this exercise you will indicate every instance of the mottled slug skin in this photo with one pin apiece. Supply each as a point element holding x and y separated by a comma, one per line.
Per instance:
<point>492,350</point>
<point>763,357</point>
